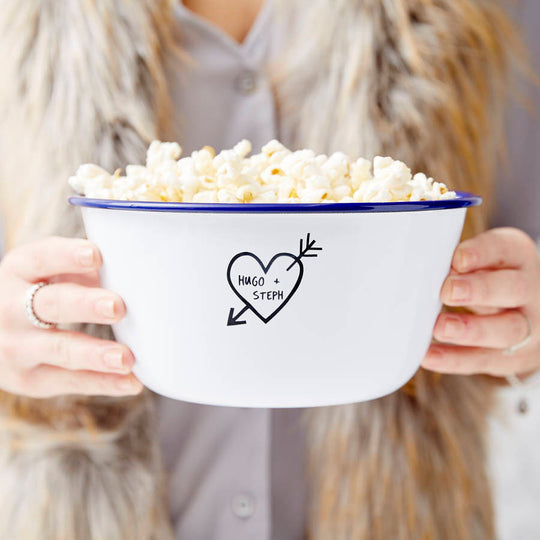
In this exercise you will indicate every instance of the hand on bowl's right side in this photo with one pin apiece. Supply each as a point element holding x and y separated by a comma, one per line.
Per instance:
<point>496,277</point>
<point>42,363</point>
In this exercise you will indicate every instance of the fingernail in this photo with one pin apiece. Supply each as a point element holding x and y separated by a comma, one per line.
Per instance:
<point>433,356</point>
<point>86,256</point>
<point>105,307</point>
<point>466,259</point>
<point>453,327</point>
<point>460,290</point>
<point>113,358</point>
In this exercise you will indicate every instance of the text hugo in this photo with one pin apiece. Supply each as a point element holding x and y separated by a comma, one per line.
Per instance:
<point>251,280</point>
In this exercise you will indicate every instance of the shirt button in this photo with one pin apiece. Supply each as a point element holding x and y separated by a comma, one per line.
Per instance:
<point>246,82</point>
<point>243,505</point>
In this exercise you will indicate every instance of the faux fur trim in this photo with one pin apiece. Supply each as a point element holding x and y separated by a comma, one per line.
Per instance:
<point>403,467</point>
<point>91,483</point>
<point>83,82</point>
<point>421,80</point>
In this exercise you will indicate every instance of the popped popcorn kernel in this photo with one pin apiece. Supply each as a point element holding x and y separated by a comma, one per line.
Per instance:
<point>276,174</point>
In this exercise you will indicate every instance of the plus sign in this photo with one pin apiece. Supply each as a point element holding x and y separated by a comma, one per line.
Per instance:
<point>276,281</point>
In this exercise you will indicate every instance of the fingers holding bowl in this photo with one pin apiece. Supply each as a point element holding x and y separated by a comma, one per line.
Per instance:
<point>498,288</point>
<point>73,351</point>
<point>47,381</point>
<point>498,331</point>
<point>43,362</point>
<point>460,360</point>
<point>88,279</point>
<point>471,344</point>
<point>65,303</point>
<point>43,259</point>
<point>503,247</point>
<point>55,362</point>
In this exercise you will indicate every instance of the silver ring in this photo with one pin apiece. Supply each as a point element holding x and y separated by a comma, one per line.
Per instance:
<point>511,350</point>
<point>29,307</point>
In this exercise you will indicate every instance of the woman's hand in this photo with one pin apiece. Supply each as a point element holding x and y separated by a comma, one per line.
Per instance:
<point>44,363</point>
<point>496,275</point>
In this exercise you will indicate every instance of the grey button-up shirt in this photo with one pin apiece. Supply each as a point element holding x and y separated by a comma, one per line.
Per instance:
<point>234,473</point>
<point>237,474</point>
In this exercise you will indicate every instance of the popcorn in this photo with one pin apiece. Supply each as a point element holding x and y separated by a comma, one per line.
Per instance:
<point>276,174</point>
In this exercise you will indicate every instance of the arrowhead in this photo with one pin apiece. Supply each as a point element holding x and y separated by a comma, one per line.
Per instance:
<point>233,320</point>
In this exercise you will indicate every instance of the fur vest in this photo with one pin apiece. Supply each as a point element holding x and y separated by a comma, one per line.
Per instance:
<point>421,80</point>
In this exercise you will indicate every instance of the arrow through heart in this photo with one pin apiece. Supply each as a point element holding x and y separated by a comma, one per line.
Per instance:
<point>266,289</point>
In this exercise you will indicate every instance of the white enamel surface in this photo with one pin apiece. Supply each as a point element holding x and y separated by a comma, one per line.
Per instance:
<point>356,327</point>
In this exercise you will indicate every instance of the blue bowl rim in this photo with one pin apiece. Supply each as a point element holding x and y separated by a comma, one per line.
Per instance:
<point>463,199</point>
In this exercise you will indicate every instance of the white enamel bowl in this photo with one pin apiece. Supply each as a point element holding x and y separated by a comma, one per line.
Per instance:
<point>273,305</point>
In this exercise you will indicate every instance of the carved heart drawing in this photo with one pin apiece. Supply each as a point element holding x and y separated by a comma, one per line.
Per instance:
<point>265,289</point>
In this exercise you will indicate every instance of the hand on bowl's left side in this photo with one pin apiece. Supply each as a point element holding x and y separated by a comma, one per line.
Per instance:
<point>496,276</point>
